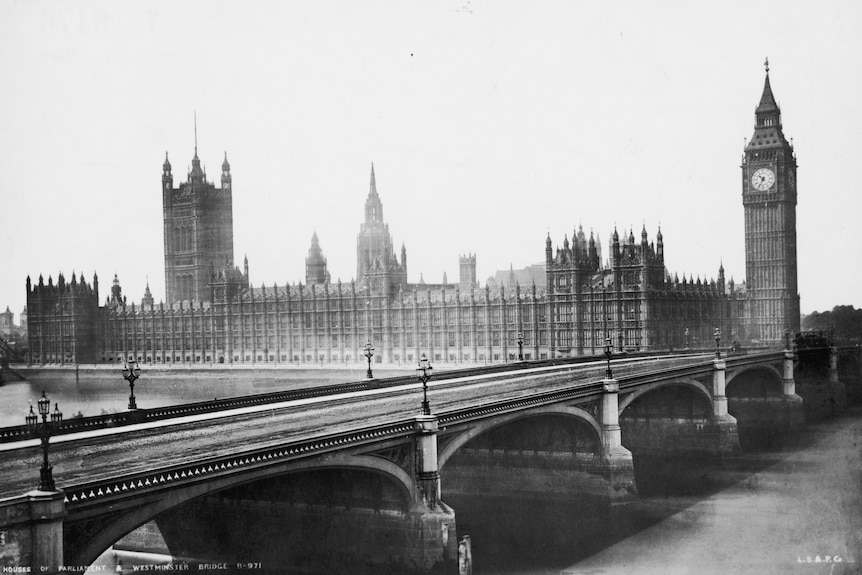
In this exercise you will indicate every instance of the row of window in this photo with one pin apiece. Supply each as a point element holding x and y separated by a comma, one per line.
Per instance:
<point>296,358</point>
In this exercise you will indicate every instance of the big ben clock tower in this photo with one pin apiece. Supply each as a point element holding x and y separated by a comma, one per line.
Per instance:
<point>769,199</point>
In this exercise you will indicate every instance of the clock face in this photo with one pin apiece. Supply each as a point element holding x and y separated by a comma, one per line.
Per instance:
<point>762,179</point>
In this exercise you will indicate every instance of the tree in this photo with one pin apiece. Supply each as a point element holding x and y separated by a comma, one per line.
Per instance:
<point>844,321</point>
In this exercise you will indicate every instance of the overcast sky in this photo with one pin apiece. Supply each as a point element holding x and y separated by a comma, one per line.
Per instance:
<point>490,125</point>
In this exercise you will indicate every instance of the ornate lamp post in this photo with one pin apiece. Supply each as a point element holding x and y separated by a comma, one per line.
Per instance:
<point>131,373</point>
<point>423,369</point>
<point>717,334</point>
<point>44,430</point>
<point>787,337</point>
<point>520,346</point>
<point>369,353</point>
<point>609,352</point>
<point>687,346</point>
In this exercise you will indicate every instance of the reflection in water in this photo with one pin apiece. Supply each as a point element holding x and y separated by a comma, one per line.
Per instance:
<point>542,537</point>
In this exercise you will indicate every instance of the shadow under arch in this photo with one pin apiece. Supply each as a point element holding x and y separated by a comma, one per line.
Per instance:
<point>122,522</point>
<point>487,425</point>
<point>771,385</point>
<point>682,382</point>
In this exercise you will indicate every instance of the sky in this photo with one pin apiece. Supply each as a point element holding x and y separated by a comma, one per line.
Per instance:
<point>490,126</point>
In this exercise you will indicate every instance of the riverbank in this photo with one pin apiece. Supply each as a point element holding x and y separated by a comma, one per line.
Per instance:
<point>111,372</point>
<point>87,390</point>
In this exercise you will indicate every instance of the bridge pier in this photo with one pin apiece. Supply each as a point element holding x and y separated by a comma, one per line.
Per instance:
<point>793,405</point>
<point>436,542</point>
<point>616,460</point>
<point>839,391</point>
<point>765,409</point>
<point>727,432</point>
<point>31,532</point>
<point>426,453</point>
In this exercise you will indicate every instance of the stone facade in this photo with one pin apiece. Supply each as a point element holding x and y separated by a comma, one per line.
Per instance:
<point>213,315</point>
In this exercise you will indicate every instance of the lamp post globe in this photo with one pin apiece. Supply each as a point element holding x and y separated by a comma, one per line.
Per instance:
<point>44,430</point>
<point>130,374</point>
<point>369,353</point>
<point>609,352</point>
<point>717,334</point>
<point>423,369</point>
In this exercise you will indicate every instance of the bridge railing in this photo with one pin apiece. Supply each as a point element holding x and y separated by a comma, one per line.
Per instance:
<point>111,420</point>
<point>98,491</point>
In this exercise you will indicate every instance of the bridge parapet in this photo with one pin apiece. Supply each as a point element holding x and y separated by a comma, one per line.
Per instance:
<point>31,532</point>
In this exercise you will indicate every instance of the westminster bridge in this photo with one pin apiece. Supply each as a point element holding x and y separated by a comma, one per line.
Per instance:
<point>358,471</point>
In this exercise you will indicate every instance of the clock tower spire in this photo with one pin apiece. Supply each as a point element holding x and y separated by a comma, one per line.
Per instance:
<point>769,200</point>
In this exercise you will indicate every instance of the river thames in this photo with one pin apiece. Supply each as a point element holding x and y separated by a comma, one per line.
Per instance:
<point>793,509</point>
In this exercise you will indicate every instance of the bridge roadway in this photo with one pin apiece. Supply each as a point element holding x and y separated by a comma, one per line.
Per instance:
<point>111,454</point>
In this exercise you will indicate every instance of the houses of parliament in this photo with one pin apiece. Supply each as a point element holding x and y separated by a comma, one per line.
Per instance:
<point>213,315</point>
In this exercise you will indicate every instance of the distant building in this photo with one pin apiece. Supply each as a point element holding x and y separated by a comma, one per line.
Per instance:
<point>315,264</point>
<point>528,276</point>
<point>467,272</point>
<point>7,322</point>
<point>568,306</point>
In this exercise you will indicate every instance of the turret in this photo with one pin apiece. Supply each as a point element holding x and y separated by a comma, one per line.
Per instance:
<point>659,245</point>
<point>315,264</point>
<point>196,174</point>
<point>225,174</point>
<point>467,269</point>
<point>116,292</point>
<point>592,253</point>
<point>167,177</point>
<point>147,301</point>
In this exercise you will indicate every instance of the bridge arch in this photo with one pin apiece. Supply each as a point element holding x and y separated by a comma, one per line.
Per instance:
<point>123,522</point>
<point>767,378</point>
<point>487,425</point>
<point>683,382</point>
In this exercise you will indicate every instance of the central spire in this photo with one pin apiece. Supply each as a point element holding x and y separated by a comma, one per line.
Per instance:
<point>372,189</point>
<point>373,206</point>
<point>197,174</point>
